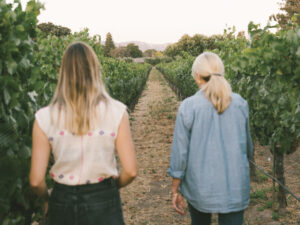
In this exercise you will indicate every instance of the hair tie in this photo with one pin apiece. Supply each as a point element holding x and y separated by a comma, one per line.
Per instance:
<point>216,74</point>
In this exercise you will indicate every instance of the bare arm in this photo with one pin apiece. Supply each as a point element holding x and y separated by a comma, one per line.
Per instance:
<point>39,161</point>
<point>126,152</point>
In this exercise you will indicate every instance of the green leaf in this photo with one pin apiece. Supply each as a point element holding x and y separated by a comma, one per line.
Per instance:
<point>20,28</point>
<point>10,15</point>
<point>279,72</point>
<point>32,96</point>
<point>30,6</point>
<point>26,152</point>
<point>298,51</point>
<point>25,63</point>
<point>12,67</point>
<point>7,96</point>
<point>17,41</point>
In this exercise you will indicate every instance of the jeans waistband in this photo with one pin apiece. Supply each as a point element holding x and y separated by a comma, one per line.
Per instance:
<point>106,183</point>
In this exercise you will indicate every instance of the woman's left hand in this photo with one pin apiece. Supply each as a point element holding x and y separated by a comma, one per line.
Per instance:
<point>177,202</point>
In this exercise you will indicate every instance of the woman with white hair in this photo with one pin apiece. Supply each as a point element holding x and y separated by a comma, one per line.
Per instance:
<point>211,148</point>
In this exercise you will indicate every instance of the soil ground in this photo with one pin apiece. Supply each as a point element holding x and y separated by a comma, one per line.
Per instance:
<point>147,201</point>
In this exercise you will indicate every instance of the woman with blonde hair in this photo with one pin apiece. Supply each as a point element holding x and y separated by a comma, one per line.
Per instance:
<point>211,148</point>
<point>82,126</point>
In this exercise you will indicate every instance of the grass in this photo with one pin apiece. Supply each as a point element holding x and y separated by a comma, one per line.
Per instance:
<point>259,194</point>
<point>153,171</point>
<point>165,107</point>
<point>168,100</point>
<point>269,205</point>
<point>275,216</point>
<point>132,119</point>
<point>161,108</point>
<point>171,117</point>
<point>260,209</point>
<point>261,177</point>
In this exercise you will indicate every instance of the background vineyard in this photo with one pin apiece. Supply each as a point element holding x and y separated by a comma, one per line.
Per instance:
<point>29,65</point>
<point>264,69</point>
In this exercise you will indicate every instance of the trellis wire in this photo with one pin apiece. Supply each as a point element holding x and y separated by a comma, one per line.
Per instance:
<point>276,180</point>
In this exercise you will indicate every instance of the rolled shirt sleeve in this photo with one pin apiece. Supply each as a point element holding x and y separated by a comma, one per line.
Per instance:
<point>180,145</point>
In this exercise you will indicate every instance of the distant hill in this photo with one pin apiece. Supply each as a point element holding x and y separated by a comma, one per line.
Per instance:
<point>143,45</point>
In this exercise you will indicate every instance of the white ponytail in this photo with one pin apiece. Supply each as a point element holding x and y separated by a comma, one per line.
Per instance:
<point>210,67</point>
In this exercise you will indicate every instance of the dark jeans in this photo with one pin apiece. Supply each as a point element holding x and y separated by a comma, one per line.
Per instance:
<point>89,204</point>
<point>200,218</point>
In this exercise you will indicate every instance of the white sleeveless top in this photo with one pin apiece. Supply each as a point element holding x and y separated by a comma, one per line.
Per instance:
<point>84,159</point>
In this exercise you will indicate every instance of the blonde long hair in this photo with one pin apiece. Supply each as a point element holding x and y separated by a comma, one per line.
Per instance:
<point>210,67</point>
<point>79,90</point>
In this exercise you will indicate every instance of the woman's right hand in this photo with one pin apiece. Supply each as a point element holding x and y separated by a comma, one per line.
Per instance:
<point>177,202</point>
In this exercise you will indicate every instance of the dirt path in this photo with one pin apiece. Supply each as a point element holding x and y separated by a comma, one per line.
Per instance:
<point>147,200</point>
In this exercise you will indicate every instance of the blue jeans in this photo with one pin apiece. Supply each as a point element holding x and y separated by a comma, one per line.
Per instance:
<point>200,218</point>
<point>88,204</point>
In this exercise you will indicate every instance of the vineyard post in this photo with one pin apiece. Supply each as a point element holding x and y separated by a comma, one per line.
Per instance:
<point>273,181</point>
<point>279,171</point>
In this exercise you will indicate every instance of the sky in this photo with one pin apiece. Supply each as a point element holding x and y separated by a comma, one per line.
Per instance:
<point>156,21</point>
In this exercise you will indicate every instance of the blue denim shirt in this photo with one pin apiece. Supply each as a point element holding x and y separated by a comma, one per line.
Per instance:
<point>210,154</point>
